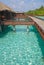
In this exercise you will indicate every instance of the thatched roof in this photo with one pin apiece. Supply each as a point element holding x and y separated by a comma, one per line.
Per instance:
<point>5,7</point>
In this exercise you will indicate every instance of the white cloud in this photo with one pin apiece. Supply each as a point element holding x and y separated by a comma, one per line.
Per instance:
<point>14,6</point>
<point>21,3</point>
<point>33,0</point>
<point>33,3</point>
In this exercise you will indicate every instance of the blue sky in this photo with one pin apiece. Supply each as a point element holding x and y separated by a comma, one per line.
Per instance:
<point>23,5</point>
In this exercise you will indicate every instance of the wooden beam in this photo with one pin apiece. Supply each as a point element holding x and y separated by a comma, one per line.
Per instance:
<point>18,23</point>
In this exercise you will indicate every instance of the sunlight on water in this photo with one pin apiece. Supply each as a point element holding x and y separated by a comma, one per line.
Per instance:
<point>21,47</point>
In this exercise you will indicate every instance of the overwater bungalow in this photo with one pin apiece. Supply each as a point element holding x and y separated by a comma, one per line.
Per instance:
<point>6,12</point>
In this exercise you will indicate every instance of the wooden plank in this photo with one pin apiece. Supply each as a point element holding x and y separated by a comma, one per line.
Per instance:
<point>39,25</point>
<point>39,22</point>
<point>18,23</point>
<point>40,31</point>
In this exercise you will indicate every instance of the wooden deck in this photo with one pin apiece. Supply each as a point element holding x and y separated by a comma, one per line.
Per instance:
<point>9,22</point>
<point>39,22</point>
<point>39,25</point>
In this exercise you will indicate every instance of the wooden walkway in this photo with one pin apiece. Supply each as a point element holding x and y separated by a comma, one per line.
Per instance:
<point>10,22</point>
<point>39,22</point>
<point>39,25</point>
<point>34,21</point>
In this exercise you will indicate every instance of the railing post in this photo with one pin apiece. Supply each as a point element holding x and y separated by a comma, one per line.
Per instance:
<point>0,29</point>
<point>27,28</point>
<point>1,26</point>
<point>14,29</point>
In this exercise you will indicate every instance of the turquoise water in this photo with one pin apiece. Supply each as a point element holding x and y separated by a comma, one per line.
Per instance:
<point>21,47</point>
<point>40,17</point>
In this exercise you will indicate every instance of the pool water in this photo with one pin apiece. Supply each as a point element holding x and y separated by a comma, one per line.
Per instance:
<point>21,47</point>
<point>40,17</point>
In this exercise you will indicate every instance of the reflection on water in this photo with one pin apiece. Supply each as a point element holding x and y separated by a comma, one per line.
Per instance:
<point>40,17</point>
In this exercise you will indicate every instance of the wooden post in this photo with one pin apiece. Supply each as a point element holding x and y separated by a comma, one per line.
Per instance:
<point>14,28</point>
<point>0,29</point>
<point>27,28</point>
<point>0,25</point>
